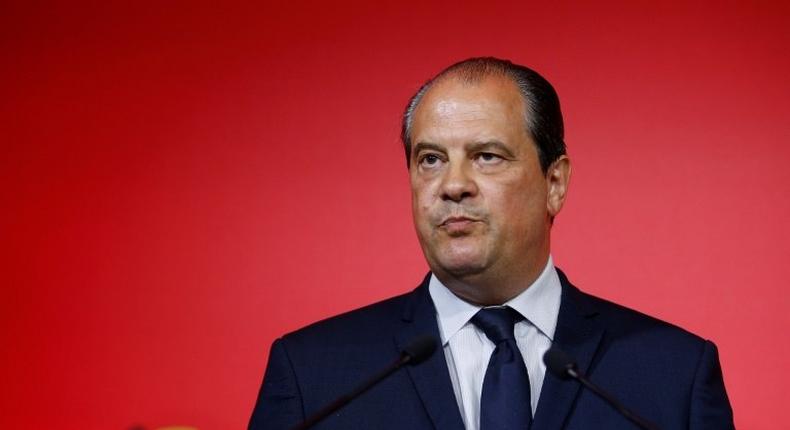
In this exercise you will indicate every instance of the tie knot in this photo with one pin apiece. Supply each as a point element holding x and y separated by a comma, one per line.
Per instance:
<point>497,323</point>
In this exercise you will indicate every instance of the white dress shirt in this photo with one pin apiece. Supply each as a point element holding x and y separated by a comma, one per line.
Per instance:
<point>467,349</point>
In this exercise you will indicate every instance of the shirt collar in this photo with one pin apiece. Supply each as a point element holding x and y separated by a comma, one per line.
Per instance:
<point>539,304</point>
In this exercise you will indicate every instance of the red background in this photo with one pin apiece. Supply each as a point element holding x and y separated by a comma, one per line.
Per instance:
<point>182,183</point>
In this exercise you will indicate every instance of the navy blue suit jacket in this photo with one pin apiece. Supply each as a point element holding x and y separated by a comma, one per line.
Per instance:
<point>664,373</point>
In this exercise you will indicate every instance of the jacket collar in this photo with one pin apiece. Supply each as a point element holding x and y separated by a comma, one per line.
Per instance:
<point>577,333</point>
<point>431,378</point>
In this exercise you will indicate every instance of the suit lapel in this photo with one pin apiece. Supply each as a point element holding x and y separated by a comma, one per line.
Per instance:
<point>578,335</point>
<point>431,378</point>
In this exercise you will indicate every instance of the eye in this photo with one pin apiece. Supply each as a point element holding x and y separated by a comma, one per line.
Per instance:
<point>489,158</point>
<point>429,160</point>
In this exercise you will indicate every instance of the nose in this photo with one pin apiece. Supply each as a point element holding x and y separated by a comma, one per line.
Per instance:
<point>458,183</point>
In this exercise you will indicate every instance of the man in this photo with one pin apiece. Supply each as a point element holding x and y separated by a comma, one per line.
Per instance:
<point>488,171</point>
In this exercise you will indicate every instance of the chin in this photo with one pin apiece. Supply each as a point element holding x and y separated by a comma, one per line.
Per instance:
<point>459,266</point>
<point>463,272</point>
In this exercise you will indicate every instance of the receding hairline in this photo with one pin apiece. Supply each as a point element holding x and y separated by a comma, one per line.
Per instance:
<point>441,84</point>
<point>470,76</point>
<point>475,71</point>
<point>542,114</point>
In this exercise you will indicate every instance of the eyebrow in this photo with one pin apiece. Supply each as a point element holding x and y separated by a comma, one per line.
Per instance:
<point>423,146</point>
<point>489,145</point>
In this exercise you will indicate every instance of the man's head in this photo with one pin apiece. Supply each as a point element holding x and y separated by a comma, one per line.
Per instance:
<point>484,191</point>
<point>543,117</point>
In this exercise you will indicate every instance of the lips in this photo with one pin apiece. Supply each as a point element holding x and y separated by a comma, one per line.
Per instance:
<point>457,219</point>
<point>456,225</point>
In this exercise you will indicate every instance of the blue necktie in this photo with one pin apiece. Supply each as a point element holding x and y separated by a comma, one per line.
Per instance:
<point>505,401</point>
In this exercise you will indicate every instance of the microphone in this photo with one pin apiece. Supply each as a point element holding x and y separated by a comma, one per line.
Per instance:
<point>564,366</point>
<point>417,351</point>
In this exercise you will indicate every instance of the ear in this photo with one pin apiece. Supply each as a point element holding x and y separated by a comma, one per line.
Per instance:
<point>558,176</point>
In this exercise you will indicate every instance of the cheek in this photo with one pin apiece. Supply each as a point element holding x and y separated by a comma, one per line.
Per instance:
<point>420,205</point>
<point>422,195</point>
<point>518,207</point>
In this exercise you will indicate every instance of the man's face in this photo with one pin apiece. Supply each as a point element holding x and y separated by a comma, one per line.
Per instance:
<point>481,204</point>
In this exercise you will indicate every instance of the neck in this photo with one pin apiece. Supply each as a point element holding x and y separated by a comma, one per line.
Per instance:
<point>493,289</point>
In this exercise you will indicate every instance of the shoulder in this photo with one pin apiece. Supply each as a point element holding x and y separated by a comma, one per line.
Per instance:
<point>623,323</point>
<point>636,346</point>
<point>664,371</point>
<point>326,357</point>
<point>631,342</point>
<point>365,325</point>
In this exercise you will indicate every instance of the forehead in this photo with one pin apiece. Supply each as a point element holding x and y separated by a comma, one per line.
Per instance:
<point>492,105</point>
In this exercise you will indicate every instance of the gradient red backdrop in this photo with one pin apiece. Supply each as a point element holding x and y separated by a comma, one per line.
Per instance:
<point>184,182</point>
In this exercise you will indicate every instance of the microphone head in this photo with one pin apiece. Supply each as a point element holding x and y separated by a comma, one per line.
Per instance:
<point>419,349</point>
<point>559,363</point>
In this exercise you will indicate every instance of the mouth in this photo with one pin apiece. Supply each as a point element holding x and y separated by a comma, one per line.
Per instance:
<point>457,225</point>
